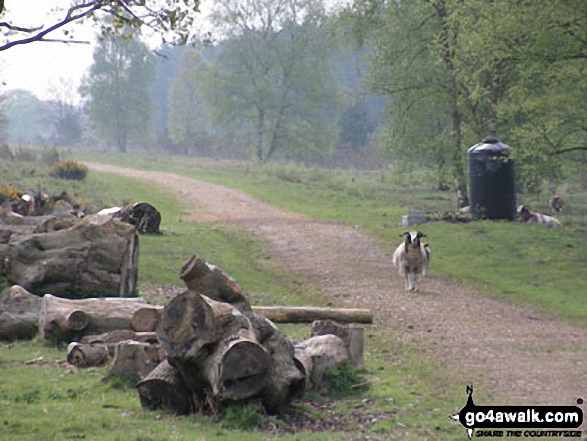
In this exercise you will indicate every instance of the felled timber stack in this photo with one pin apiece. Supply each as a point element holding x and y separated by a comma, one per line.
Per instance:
<point>218,350</point>
<point>66,256</point>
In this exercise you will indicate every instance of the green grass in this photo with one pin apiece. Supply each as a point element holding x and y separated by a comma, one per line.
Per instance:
<point>409,396</point>
<point>525,264</point>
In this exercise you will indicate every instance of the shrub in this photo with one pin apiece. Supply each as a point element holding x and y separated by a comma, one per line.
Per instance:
<point>8,192</point>
<point>70,170</point>
<point>345,378</point>
<point>242,416</point>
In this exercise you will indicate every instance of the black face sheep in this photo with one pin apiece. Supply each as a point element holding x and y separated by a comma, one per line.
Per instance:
<point>412,259</point>
<point>525,215</point>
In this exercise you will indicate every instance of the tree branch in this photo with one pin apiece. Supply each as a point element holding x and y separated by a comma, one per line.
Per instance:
<point>72,15</point>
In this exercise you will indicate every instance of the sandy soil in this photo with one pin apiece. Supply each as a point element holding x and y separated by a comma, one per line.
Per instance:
<point>516,354</point>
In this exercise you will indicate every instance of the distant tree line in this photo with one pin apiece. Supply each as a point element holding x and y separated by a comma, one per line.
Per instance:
<point>283,81</point>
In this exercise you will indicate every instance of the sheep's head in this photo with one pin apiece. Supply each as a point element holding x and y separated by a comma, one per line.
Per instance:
<point>412,238</point>
<point>524,213</point>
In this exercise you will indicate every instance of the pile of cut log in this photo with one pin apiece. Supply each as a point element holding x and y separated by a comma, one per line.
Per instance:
<point>66,256</point>
<point>206,347</point>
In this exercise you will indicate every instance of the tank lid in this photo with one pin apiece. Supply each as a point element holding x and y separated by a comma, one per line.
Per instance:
<point>490,145</point>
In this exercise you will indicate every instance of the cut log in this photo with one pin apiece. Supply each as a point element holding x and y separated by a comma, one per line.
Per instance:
<point>164,389</point>
<point>351,334</point>
<point>200,276</point>
<point>307,314</point>
<point>146,319</point>
<point>318,355</point>
<point>19,314</point>
<point>90,258</point>
<point>133,361</point>
<point>286,381</point>
<point>144,217</point>
<point>121,335</point>
<point>238,368</point>
<point>207,341</point>
<point>186,328</point>
<point>88,355</point>
<point>67,320</point>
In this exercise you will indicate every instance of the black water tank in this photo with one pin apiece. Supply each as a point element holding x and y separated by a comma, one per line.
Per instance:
<point>492,178</point>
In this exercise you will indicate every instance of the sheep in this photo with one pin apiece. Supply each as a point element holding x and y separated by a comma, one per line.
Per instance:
<point>557,202</point>
<point>412,259</point>
<point>528,216</point>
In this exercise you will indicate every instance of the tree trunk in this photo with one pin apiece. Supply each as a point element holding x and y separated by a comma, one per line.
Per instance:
<point>307,314</point>
<point>93,257</point>
<point>67,320</point>
<point>19,314</point>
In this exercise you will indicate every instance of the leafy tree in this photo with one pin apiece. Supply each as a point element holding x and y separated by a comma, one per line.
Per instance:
<point>459,70</point>
<point>188,122</point>
<point>118,90</point>
<point>272,80</point>
<point>171,18</point>
<point>25,116</point>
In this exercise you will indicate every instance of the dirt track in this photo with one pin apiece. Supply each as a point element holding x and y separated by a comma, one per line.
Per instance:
<point>519,355</point>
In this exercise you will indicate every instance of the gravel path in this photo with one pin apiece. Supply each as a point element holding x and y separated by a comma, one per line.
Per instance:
<point>516,354</point>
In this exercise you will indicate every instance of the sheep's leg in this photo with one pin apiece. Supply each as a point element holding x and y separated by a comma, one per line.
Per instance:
<point>408,282</point>
<point>415,277</point>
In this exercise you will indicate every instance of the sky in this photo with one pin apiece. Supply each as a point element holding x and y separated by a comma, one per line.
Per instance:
<point>43,67</point>
<point>46,67</point>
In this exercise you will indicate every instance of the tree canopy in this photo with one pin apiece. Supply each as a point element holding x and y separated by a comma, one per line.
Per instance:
<point>118,90</point>
<point>272,77</point>
<point>460,70</point>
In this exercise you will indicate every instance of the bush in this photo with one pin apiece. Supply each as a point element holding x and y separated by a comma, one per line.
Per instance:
<point>8,192</point>
<point>70,170</point>
<point>345,378</point>
<point>242,416</point>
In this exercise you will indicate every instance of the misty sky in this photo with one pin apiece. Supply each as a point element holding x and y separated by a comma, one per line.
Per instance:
<point>42,67</point>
